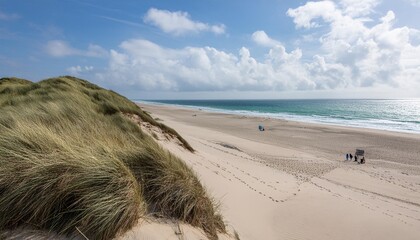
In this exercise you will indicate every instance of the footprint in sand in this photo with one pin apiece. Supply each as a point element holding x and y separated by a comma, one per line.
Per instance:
<point>247,173</point>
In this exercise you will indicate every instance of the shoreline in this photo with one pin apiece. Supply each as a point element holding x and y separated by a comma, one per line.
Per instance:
<point>285,117</point>
<point>380,146</point>
<point>292,181</point>
<point>195,110</point>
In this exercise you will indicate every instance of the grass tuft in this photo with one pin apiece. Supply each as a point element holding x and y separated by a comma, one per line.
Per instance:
<point>71,162</point>
<point>236,234</point>
<point>162,173</point>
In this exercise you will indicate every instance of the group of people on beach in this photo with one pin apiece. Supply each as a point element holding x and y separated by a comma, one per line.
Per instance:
<point>350,156</point>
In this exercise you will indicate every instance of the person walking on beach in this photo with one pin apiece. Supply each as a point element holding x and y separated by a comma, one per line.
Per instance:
<point>351,157</point>
<point>355,158</point>
<point>347,156</point>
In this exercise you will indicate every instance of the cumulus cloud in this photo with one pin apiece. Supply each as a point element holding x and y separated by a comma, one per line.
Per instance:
<point>94,51</point>
<point>179,23</point>
<point>148,66</point>
<point>353,54</point>
<point>77,70</point>
<point>58,48</point>
<point>261,38</point>
<point>349,54</point>
<point>304,16</point>
<point>358,8</point>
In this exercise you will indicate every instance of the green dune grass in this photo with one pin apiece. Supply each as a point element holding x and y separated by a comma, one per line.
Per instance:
<point>71,161</point>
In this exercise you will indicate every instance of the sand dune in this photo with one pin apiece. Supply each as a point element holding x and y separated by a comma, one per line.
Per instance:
<point>291,181</point>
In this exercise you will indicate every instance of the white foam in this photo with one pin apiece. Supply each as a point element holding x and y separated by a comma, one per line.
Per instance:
<point>378,124</point>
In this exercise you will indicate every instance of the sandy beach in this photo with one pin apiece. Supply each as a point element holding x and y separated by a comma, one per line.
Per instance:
<point>292,181</point>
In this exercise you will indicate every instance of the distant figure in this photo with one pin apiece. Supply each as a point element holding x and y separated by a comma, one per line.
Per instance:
<point>355,158</point>
<point>347,156</point>
<point>351,157</point>
<point>362,161</point>
<point>261,127</point>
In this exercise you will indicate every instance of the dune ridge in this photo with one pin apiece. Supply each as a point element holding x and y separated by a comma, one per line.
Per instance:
<point>73,164</point>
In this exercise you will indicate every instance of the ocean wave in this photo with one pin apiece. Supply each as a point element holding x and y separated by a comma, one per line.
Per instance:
<point>395,125</point>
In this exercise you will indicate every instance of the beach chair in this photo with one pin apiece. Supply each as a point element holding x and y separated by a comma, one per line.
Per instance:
<point>360,153</point>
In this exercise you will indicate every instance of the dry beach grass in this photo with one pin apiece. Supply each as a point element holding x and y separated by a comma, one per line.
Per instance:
<point>72,162</point>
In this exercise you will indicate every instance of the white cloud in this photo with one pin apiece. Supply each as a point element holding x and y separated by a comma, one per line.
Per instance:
<point>358,8</point>
<point>8,17</point>
<point>179,23</point>
<point>261,38</point>
<point>77,70</point>
<point>353,54</point>
<point>348,55</point>
<point>58,48</point>
<point>303,16</point>
<point>95,51</point>
<point>147,66</point>
<point>218,29</point>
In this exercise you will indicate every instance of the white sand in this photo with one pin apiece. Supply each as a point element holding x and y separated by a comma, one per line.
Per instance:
<point>291,181</point>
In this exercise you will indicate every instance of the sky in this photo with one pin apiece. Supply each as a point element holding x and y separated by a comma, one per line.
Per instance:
<point>214,49</point>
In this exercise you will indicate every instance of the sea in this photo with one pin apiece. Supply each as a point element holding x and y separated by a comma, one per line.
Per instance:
<point>401,115</point>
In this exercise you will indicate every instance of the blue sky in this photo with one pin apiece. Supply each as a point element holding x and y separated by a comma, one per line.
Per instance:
<point>218,49</point>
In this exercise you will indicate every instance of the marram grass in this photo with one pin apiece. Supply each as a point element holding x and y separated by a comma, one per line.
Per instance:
<point>70,162</point>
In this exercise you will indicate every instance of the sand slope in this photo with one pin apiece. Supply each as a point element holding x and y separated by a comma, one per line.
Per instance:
<point>291,182</point>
